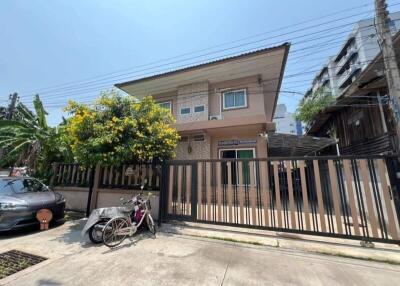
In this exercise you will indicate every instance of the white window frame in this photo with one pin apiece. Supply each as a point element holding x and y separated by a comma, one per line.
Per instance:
<point>169,102</point>
<point>190,111</point>
<point>202,105</point>
<point>234,107</point>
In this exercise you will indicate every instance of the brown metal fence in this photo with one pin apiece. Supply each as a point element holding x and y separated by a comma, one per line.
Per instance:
<point>333,196</point>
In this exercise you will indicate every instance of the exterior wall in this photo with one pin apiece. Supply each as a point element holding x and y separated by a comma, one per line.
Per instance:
<point>111,198</point>
<point>169,96</point>
<point>75,197</point>
<point>192,95</point>
<point>255,97</point>
<point>260,144</point>
<point>200,149</point>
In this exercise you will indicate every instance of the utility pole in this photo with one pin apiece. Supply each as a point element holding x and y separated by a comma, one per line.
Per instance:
<point>12,105</point>
<point>389,60</point>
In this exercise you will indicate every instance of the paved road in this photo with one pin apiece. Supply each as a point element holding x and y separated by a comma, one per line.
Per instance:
<point>183,260</point>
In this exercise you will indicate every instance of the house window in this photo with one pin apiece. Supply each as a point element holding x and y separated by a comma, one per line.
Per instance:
<point>199,108</point>
<point>234,99</point>
<point>184,139</point>
<point>166,105</point>
<point>198,137</point>
<point>185,110</point>
<point>237,154</point>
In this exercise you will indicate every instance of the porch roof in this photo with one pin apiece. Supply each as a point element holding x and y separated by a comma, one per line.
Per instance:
<point>288,145</point>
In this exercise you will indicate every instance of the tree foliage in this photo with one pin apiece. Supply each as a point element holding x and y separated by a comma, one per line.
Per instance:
<point>27,140</point>
<point>309,107</point>
<point>119,129</point>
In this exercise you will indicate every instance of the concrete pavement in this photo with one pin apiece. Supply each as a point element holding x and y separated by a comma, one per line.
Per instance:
<point>173,259</point>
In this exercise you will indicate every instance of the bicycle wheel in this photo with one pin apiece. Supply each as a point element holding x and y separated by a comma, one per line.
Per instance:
<point>150,224</point>
<point>112,232</point>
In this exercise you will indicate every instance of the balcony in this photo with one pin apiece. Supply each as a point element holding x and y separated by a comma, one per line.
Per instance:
<point>351,53</point>
<point>348,74</point>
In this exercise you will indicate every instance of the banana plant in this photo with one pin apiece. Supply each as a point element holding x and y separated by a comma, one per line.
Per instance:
<point>25,135</point>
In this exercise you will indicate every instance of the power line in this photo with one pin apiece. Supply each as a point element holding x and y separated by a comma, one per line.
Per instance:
<point>73,92</point>
<point>302,29</point>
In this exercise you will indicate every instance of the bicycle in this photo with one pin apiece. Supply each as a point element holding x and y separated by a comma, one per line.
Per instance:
<point>117,229</point>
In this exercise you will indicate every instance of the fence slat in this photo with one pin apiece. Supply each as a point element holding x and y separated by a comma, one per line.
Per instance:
<point>277,193</point>
<point>388,202</point>
<point>170,187</point>
<point>188,200</point>
<point>290,191</point>
<point>350,193</point>
<point>208,191</point>
<point>321,209</point>
<point>219,190</point>
<point>252,193</point>
<point>368,197</point>
<point>240,192</point>
<point>264,190</point>
<point>229,191</point>
<point>306,206</point>
<point>199,190</point>
<point>335,195</point>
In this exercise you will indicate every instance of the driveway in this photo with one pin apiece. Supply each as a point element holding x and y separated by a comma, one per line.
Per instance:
<point>172,259</point>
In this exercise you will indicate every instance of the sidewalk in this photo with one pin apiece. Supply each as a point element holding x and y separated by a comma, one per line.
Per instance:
<point>179,259</point>
<point>382,252</point>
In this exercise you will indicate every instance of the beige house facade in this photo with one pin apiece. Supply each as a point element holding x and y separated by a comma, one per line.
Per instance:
<point>222,108</point>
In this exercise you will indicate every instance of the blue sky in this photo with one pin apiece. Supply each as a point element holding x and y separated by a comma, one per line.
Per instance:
<point>60,49</point>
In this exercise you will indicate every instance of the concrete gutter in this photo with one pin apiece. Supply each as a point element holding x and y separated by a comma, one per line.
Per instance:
<point>380,252</point>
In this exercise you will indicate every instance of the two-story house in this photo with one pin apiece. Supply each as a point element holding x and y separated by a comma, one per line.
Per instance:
<point>222,107</point>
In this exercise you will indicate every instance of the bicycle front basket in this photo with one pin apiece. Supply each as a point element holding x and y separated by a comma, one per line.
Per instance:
<point>148,205</point>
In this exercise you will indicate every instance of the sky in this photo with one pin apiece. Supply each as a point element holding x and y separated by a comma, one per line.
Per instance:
<point>73,49</point>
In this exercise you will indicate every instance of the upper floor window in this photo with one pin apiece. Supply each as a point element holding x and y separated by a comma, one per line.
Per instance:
<point>199,108</point>
<point>234,99</point>
<point>185,110</point>
<point>166,105</point>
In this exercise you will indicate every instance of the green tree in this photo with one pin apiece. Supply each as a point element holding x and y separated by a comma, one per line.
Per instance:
<point>309,107</point>
<point>117,129</point>
<point>27,140</point>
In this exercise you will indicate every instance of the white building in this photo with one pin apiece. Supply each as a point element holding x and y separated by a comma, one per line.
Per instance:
<point>359,49</point>
<point>285,121</point>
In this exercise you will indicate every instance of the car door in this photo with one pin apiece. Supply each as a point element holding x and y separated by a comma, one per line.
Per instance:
<point>34,193</point>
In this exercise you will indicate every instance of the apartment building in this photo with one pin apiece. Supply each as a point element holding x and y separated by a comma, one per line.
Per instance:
<point>285,121</point>
<point>358,50</point>
<point>222,107</point>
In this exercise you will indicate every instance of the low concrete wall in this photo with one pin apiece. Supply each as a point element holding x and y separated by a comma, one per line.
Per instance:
<point>76,198</point>
<point>111,197</point>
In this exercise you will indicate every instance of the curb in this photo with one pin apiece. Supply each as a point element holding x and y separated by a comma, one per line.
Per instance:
<point>381,252</point>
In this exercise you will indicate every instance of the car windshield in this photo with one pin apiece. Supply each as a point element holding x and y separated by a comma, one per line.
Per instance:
<point>21,186</point>
<point>5,187</point>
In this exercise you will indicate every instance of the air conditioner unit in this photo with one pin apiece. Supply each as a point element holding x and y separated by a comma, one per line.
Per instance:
<point>215,117</point>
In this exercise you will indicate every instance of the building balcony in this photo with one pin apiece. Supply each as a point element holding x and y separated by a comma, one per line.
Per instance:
<point>341,65</point>
<point>347,75</point>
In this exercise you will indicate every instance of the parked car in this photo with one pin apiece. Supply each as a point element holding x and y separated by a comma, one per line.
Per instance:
<point>22,197</point>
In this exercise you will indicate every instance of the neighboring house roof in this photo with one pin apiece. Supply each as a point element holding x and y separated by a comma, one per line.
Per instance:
<point>371,78</point>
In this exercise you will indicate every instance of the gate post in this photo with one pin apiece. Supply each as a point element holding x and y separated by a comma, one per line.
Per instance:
<point>163,196</point>
<point>392,165</point>
<point>194,191</point>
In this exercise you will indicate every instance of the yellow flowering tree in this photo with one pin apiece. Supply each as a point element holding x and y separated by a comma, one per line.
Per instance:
<point>118,129</point>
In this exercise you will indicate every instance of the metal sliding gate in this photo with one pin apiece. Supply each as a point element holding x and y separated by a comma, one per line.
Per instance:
<point>346,197</point>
